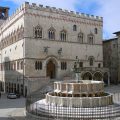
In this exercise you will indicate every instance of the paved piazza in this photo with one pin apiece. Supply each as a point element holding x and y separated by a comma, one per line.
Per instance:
<point>14,109</point>
<point>11,109</point>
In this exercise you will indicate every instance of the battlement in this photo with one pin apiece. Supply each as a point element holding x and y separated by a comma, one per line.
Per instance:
<point>61,11</point>
<point>27,5</point>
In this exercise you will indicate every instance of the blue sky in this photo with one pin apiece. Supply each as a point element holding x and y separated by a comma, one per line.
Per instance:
<point>108,9</point>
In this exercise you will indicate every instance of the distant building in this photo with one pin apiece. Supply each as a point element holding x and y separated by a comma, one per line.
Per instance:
<point>111,57</point>
<point>41,41</point>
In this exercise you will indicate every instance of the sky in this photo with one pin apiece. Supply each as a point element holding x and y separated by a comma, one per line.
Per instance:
<point>108,9</point>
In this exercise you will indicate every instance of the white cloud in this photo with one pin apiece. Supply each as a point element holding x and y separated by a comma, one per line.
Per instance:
<point>65,4</point>
<point>108,9</point>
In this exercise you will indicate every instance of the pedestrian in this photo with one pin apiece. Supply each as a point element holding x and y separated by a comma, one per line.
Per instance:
<point>0,94</point>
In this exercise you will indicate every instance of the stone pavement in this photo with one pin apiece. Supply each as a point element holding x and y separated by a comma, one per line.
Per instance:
<point>12,109</point>
<point>18,114</point>
<point>113,89</point>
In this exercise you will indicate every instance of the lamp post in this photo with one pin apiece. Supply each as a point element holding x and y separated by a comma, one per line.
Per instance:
<point>77,69</point>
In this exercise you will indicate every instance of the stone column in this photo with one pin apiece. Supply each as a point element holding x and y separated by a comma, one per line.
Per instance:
<point>72,90</point>
<point>66,90</point>
<point>108,79</point>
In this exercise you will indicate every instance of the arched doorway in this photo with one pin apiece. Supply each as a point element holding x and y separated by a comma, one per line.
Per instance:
<point>51,70</point>
<point>98,76</point>
<point>87,76</point>
<point>105,78</point>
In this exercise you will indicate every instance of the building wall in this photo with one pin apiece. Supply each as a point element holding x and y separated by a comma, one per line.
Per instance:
<point>110,53</point>
<point>11,45</point>
<point>118,57</point>
<point>21,49</point>
<point>71,47</point>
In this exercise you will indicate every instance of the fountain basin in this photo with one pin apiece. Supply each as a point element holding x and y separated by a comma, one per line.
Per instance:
<point>79,102</point>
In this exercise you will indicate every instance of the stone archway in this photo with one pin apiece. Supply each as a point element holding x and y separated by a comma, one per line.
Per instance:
<point>87,76</point>
<point>51,69</point>
<point>106,78</point>
<point>98,76</point>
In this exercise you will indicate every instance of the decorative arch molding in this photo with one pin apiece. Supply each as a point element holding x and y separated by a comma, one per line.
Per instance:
<point>98,76</point>
<point>51,65</point>
<point>51,28</point>
<point>98,72</point>
<point>91,38</point>
<point>38,31</point>
<point>13,36</point>
<point>63,35</point>
<point>87,75</point>
<point>80,37</point>
<point>91,57</point>
<point>53,58</point>
<point>51,33</point>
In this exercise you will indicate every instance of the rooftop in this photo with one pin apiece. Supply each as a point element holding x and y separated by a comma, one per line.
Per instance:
<point>3,8</point>
<point>117,33</point>
<point>108,40</point>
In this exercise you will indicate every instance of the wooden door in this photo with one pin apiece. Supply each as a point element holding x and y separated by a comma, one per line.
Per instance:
<point>51,69</point>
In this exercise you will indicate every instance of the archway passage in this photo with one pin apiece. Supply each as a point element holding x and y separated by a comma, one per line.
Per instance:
<point>87,76</point>
<point>97,76</point>
<point>51,71</point>
<point>105,78</point>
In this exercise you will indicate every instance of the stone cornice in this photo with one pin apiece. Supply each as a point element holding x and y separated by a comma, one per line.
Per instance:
<point>83,21</point>
<point>44,39</point>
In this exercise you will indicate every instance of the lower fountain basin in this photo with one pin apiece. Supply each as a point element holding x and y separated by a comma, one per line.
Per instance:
<point>82,102</point>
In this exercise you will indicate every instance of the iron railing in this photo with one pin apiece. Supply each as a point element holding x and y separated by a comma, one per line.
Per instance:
<point>54,112</point>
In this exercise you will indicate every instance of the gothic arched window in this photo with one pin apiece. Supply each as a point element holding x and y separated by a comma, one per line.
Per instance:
<point>91,61</point>
<point>63,35</point>
<point>38,32</point>
<point>38,65</point>
<point>63,65</point>
<point>80,37</point>
<point>90,39</point>
<point>96,30</point>
<point>51,33</point>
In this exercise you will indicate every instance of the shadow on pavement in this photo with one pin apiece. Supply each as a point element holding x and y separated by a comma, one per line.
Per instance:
<point>12,118</point>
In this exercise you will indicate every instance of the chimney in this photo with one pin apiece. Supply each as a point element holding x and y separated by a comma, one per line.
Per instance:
<point>4,12</point>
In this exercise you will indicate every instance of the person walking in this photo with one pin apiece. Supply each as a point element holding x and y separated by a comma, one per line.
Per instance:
<point>0,94</point>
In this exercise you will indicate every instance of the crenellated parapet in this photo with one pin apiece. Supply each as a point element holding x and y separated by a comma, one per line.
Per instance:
<point>40,7</point>
<point>61,11</point>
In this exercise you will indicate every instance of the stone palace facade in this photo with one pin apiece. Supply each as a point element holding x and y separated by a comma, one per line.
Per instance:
<point>39,41</point>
